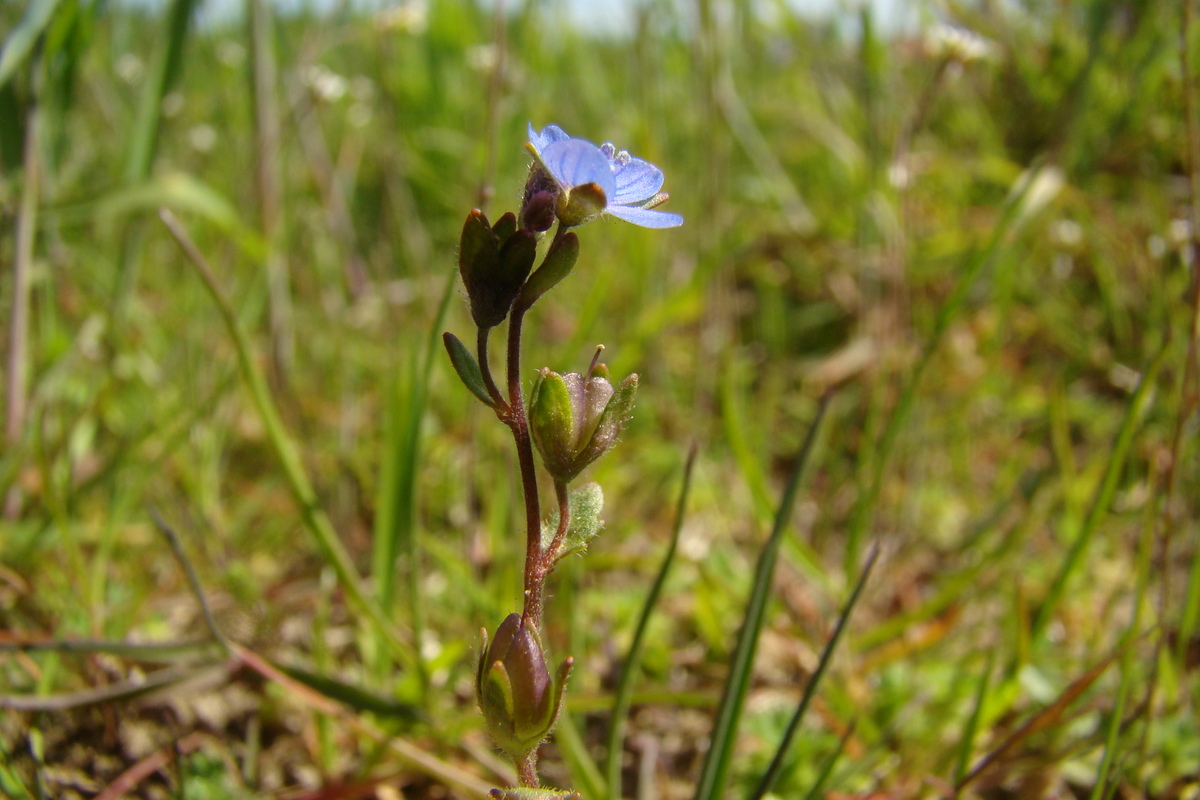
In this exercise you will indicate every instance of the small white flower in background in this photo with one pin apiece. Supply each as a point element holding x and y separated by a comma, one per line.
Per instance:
<point>130,68</point>
<point>1179,232</point>
<point>959,44</point>
<point>483,57</point>
<point>1066,233</point>
<point>411,17</point>
<point>172,104</point>
<point>231,53</point>
<point>593,181</point>
<point>203,137</point>
<point>325,84</point>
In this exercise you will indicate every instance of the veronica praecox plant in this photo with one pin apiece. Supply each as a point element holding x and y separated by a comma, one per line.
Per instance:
<point>571,419</point>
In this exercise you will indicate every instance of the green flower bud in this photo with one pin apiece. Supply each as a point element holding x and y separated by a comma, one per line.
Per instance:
<point>575,419</point>
<point>516,693</point>
<point>494,263</point>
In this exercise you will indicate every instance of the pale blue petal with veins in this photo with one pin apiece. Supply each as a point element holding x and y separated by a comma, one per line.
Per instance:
<point>630,185</point>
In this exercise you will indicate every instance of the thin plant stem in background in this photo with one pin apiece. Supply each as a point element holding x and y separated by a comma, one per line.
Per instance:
<point>18,323</point>
<point>264,93</point>
<point>495,91</point>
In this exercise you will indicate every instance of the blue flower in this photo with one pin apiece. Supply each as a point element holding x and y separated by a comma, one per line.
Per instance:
<point>593,180</point>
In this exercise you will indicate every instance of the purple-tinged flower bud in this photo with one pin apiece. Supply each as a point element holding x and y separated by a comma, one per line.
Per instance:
<point>576,419</point>
<point>537,214</point>
<point>517,694</point>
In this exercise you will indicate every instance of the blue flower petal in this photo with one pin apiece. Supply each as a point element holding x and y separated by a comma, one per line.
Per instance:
<point>646,217</point>
<point>637,180</point>
<point>550,133</point>
<point>574,162</point>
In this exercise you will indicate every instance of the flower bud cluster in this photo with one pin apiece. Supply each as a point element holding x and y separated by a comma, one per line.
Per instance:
<point>494,262</point>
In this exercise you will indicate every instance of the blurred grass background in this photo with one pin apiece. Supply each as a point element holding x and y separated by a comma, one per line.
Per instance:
<point>986,245</point>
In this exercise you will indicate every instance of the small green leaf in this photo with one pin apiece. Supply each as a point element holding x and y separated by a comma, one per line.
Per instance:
<point>557,264</point>
<point>467,367</point>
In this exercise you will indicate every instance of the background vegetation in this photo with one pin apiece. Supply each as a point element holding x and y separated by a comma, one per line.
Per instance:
<point>988,253</point>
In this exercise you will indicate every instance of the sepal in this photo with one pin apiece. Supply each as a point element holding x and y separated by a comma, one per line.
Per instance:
<point>494,263</point>
<point>559,261</point>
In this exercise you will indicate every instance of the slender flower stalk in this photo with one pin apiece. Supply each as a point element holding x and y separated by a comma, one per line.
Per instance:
<point>571,419</point>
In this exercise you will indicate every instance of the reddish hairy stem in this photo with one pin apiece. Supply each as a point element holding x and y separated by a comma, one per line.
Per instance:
<point>564,522</point>
<point>519,425</point>
<point>527,776</point>
<point>481,345</point>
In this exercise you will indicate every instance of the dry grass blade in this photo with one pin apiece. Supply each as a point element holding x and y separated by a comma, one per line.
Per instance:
<point>123,690</point>
<point>431,765</point>
<point>1048,717</point>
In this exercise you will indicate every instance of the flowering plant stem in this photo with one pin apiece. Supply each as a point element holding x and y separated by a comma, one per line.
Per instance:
<point>571,418</point>
<point>512,412</point>
<point>539,560</point>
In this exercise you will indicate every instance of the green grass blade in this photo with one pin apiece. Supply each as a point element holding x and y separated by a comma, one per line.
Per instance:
<point>352,696</point>
<point>734,425</point>
<point>396,503</point>
<point>143,139</point>
<point>21,42</point>
<point>827,768</point>
<point>713,774</point>
<point>1189,619</point>
<point>585,774</point>
<point>967,740</point>
<point>1029,195</point>
<point>1134,413</point>
<point>285,448</point>
<point>10,783</point>
<point>767,782</point>
<point>624,693</point>
<point>1103,786</point>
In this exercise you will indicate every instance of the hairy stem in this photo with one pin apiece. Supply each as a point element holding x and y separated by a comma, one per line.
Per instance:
<point>564,522</point>
<point>519,424</point>
<point>527,776</point>
<point>485,369</point>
